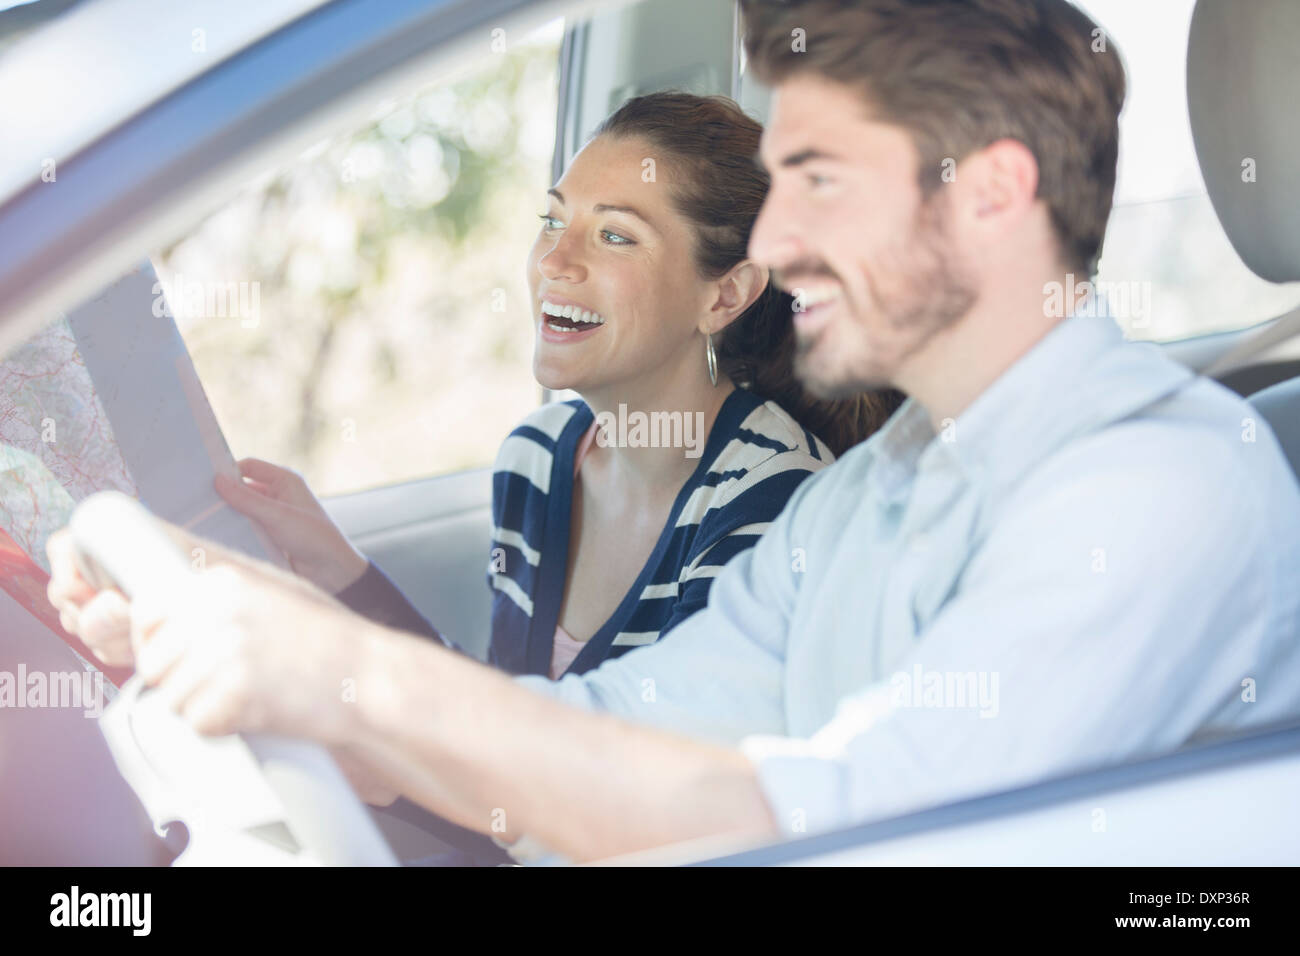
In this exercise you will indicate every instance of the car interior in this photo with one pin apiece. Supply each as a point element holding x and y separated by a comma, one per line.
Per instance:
<point>152,148</point>
<point>389,524</point>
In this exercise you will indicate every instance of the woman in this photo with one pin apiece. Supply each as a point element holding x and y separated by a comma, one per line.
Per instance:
<point>646,305</point>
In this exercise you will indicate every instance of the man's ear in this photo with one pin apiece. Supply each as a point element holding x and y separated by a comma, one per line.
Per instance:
<point>736,292</point>
<point>995,188</point>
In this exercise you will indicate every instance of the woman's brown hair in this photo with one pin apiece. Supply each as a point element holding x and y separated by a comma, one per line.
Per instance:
<point>714,143</point>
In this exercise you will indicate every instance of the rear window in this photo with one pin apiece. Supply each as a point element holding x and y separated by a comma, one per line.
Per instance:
<point>1171,271</point>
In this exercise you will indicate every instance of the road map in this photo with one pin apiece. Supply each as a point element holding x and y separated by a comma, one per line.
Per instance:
<point>107,398</point>
<point>56,442</point>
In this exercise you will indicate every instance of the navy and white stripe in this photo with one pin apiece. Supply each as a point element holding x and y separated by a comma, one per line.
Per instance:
<point>755,457</point>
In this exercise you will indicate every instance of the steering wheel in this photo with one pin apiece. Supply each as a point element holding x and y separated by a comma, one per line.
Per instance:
<point>282,799</point>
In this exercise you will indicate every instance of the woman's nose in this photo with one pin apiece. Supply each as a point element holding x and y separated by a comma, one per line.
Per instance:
<point>562,261</point>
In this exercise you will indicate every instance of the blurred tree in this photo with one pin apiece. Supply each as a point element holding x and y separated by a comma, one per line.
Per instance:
<point>377,257</point>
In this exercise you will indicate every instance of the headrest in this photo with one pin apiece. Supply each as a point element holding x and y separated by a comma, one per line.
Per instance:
<point>1243,89</point>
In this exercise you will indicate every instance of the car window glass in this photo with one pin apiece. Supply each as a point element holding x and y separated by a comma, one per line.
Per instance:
<point>1169,269</point>
<point>362,315</point>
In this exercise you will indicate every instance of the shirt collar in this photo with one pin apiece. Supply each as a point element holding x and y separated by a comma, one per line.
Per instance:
<point>1080,375</point>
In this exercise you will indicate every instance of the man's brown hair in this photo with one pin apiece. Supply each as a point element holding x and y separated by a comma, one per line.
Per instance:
<point>959,75</point>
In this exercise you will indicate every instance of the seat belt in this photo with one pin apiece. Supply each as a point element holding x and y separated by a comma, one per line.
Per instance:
<point>1275,333</point>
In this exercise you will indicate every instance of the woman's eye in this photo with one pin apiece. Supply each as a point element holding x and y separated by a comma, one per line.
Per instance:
<point>549,222</point>
<point>815,180</point>
<point>614,239</point>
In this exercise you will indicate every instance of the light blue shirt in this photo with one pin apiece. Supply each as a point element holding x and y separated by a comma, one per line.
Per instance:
<point>1098,560</point>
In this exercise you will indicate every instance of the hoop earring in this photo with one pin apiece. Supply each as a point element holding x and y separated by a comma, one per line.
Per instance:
<point>711,357</point>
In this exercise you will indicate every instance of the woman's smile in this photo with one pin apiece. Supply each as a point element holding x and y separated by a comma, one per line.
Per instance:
<point>566,321</point>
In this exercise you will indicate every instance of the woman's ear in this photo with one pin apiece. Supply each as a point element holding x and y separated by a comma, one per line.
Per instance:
<point>737,291</point>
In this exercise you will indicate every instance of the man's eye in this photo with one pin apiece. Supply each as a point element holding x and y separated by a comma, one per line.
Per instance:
<point>815,180</point>
<point>614,239</point>
<point>549,222</point>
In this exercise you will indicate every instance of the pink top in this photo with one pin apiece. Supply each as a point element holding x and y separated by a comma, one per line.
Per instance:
<point>565,648</point>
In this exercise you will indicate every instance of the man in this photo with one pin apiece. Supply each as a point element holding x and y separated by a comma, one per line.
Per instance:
<point>1059,553</point>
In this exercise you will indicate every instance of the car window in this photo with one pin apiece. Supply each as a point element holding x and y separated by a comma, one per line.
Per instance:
<point>362,315</point>
<point>1169,269</point>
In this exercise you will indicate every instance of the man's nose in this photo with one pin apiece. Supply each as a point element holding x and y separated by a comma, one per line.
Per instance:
<point>775,240</point>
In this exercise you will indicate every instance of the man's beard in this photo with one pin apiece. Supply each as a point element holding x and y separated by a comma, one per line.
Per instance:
<point>929,293</point>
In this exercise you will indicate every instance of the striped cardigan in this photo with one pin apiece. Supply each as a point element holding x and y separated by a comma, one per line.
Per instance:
<point>755,457</point>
